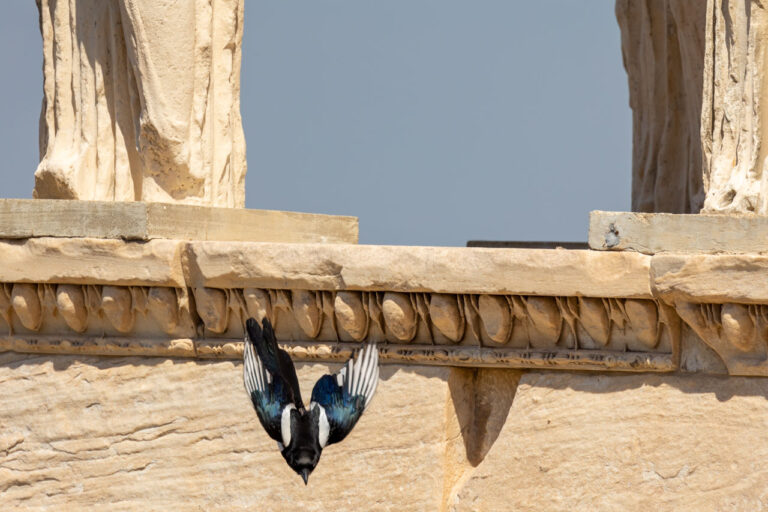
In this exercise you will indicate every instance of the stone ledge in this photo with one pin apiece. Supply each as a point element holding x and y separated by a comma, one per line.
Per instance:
<point>652,233</point>
<point>424,305</point>
<point>711,278</point>
<point>28,218</point>
<point>419,269</point>
<point>92,261</point>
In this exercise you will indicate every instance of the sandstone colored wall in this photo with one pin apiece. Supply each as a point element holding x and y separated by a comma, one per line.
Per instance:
<point>142,101</point>
<point>179,434</point>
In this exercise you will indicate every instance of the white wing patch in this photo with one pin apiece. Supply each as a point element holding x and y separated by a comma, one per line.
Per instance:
<point>285,424</point>
<point>360,376</point>
<point>324,428</point>
<point>255,376</point>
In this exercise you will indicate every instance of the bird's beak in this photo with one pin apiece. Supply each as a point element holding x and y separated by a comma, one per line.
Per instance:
<point>305,475</point>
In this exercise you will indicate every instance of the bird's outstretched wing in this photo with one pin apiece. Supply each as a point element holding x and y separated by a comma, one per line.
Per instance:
<point>270,382</point>
<point>344,396</point>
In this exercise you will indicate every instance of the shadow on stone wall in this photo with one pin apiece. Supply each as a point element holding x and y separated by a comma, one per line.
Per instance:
<point>482,399</point>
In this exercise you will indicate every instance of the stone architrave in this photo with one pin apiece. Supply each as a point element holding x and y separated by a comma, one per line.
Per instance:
<point>662,43</point>
<point>142,101</point>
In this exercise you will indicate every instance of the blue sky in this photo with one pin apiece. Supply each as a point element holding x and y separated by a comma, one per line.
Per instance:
<point>433,121</point>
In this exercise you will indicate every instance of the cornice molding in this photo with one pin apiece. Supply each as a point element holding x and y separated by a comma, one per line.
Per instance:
<point>170,298</point>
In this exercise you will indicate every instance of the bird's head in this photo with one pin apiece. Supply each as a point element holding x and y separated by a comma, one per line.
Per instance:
<point>303,462</point>
<point>303,451</point>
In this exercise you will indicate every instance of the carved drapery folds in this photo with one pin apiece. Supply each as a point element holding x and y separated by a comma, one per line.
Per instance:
<point>697,78</point>
<point>142,101</point>
<point>662,43</point>
<point>733,117</point>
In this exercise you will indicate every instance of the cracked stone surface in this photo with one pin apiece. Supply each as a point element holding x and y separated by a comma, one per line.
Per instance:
<point>160,434</point>
<point>180,435</point>
<point>579,442</point>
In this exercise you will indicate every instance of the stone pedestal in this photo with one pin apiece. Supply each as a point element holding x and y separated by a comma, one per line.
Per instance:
<point>23,218</point>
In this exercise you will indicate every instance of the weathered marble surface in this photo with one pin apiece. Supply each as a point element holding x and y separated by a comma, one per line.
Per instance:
<point>92,261</point>
<point>142,101</point>
<point>142,434</point>
<point>430,305</point>
<point>733,115</point>
<point>419,269</point>
<point>558,309</point>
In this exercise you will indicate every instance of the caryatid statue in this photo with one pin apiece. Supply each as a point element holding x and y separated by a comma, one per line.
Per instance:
<point>142,101</point>
<point>698,84</point>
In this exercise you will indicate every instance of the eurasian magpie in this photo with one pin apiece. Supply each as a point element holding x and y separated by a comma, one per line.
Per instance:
<point>337,403</point>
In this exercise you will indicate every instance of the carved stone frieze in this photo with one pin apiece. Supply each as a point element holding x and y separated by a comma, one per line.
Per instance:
<point>95,310</point>
<point>470,356</point>
<point>518,331</point>
<point>605,311</point>
<point>512,321</point>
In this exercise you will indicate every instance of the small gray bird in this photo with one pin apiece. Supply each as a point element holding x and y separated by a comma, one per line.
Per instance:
<point>337,402</point>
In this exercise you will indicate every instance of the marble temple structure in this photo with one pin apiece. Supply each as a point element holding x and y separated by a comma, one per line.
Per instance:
<point>627,376</point>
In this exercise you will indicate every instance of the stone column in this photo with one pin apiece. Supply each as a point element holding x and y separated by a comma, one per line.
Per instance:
<point>142,101</point>
<point>662,44</point>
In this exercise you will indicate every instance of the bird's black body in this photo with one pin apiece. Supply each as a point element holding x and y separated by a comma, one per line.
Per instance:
<point>337,402</point>
<point>303,452</point>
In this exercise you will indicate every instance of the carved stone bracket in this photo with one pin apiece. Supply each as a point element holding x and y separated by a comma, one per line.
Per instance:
<point>723,298</point>
<point>738,333</point>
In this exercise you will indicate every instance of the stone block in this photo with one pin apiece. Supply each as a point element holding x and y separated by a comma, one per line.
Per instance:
<point>652,233</point>
<point>419,269</point>
<point>711,278</point>
<point>27,218</point>
<point>92,261</point>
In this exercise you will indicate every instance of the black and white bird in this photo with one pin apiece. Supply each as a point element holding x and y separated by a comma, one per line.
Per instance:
<point>337,401</point>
